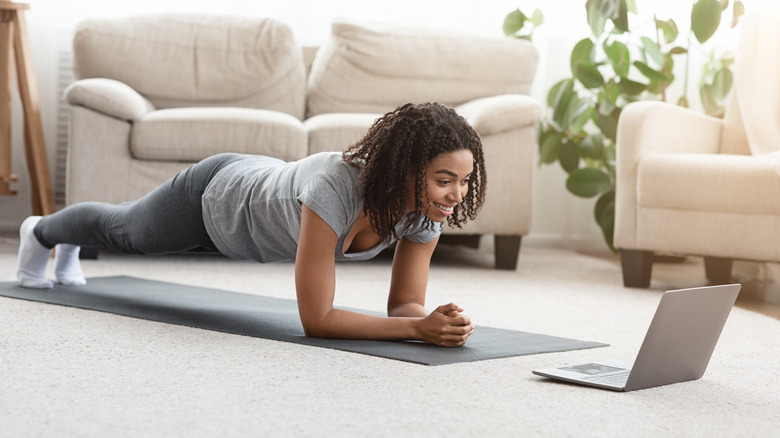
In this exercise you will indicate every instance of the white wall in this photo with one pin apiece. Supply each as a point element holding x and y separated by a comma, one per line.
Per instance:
<point>558,217</point>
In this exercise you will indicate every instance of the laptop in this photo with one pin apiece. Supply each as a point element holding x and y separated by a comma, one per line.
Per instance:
<point>677,347</point>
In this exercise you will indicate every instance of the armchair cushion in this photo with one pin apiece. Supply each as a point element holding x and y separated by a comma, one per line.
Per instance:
<point>109,97</point>
<point>373,68</point>
<point>192,134</point>
<point>709,183</point>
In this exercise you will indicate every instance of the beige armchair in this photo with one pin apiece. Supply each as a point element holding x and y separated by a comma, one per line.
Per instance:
<point>696,185</point>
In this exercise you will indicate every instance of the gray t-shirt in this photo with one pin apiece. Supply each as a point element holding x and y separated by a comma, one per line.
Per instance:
<point>252,206</point>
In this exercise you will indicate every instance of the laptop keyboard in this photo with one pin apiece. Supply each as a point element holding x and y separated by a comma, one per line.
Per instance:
<point>616,379</point>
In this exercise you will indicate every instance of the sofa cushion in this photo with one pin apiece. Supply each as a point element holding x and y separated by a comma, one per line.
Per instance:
<point>374,67</point>
<point>179,60</point>
<point>191,134</point>
<point>335,132</point>
<point>497,114</point>
<point>738,184</point>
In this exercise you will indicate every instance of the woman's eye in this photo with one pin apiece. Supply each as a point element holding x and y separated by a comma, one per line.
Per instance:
<point>444,182</point>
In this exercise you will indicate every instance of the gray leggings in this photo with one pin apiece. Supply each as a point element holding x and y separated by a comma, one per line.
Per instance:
<point>167,220</point>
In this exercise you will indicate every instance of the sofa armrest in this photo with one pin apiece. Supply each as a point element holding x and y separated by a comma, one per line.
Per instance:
<point>652,127</point>
<point>109,97</point>
<point>497,114</point>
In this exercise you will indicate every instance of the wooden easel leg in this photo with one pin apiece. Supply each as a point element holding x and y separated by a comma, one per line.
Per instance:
<point>6,81</point>
<point>37,161</point>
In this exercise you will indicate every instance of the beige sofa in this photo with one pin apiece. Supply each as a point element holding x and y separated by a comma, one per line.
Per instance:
<point>695,185</point>
<point>156,93</point>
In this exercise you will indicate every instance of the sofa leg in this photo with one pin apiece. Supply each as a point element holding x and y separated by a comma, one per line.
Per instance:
<point>467,240</point>
<point>637,266</point>
<point>718,269</point>
<point>507,250</point>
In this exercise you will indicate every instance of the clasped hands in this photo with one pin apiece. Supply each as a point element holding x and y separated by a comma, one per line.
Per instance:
<point>446,326</point>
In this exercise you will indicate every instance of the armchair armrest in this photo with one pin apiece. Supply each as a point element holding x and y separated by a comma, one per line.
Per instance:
<point>109,97</point>
<point>497,114</point>
<point>651,127</point>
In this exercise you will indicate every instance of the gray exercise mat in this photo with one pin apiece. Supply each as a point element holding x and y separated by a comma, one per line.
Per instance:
<point>272,318</point>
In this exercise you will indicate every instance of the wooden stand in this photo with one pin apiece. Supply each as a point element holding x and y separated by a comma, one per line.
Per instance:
<point>14,46</point>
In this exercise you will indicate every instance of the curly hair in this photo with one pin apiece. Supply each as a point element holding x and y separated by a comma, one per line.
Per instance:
<point>402,143</point>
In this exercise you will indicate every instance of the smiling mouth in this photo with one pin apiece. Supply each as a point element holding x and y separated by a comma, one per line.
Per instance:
<point>444,208</point>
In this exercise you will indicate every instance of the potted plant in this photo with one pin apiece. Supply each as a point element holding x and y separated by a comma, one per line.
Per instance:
<point>610,68</point>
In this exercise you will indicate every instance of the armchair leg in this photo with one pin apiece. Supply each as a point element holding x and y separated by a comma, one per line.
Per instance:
<point>507,250</point>
<point>718,269</point>
<point>637,266</point>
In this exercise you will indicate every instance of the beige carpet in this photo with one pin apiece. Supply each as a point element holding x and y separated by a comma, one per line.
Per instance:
<point>69,372</point>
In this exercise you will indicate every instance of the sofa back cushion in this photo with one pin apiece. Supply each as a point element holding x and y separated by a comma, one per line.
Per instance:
<point>375,67</point>
<point>183,60</point>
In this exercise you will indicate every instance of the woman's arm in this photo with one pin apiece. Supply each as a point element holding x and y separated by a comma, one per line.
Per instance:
<point>315,281</point>
<point>411,263</point>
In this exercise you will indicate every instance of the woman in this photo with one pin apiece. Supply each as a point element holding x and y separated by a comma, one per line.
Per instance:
<point>417,167</point>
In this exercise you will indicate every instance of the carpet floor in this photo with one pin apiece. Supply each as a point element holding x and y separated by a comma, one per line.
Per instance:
<point>70,372</point>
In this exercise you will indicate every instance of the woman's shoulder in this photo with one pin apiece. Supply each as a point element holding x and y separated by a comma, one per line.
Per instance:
<point>330,164</point>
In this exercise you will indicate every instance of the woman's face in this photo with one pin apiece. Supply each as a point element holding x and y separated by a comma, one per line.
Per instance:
<point>446,183</point>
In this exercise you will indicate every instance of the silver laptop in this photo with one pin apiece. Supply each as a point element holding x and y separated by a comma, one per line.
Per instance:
<point>677,347</point>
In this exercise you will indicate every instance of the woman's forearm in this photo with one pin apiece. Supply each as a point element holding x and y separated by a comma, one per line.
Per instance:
<point>344,324</point>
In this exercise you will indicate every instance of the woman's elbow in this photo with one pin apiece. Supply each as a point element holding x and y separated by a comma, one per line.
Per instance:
<point>314,329</point>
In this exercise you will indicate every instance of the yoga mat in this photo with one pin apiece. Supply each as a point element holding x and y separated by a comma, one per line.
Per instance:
<point>272,318</point>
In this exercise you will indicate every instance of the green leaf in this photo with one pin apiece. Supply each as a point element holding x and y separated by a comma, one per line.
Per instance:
<point>592,146</point>
<point>560,87</point>
<point>631,88</point>
<point>618,56</point>
<point>589,75</point>
<point>596,19</point>
<point>549,146</point>
<point>608,124</point>
<point>705,19</point>
<point>652,49</point>
<point>578,121</point>
<point>677,50</point>
<point>620,20</point>
<point>604,212</point>
<point>514,21</point>
<point>668,28</point>
<point>579,112</point>
<point>724,79</point>
<point>739,11</point>
<point>537,18</point>
<point>609,8</point>
<point>708,102</point>
<point>605,106</point>
<point>582,53</point>
<point>569,156</point>
<point>587,182</point>
<point>611,91</point>
<point>649,72</point>
<point>683,102</point>
<point>563,108</point>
